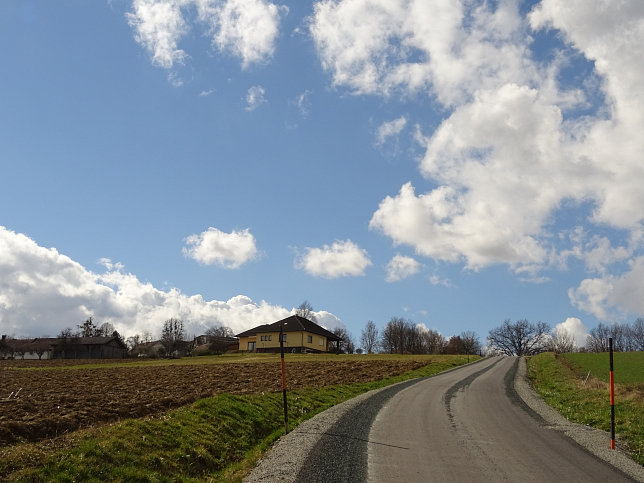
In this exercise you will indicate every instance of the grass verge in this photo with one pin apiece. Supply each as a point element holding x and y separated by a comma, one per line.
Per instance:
<point>215,439</point>
<point>564,386</point>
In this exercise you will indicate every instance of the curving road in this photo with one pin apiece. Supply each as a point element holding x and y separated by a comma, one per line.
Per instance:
<point>463,425</point>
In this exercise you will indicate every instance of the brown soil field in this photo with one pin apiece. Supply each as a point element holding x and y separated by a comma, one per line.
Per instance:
<point>54,400</point>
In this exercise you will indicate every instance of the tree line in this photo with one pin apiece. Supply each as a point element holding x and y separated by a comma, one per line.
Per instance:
<point>403,336</point>
<point>626,337</point>
<point>527,338</point>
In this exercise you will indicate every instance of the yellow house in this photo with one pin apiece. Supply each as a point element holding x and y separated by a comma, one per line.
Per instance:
<point>300,335</point>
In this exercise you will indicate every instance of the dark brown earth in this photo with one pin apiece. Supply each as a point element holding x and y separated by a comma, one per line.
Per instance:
<point>54,399</point>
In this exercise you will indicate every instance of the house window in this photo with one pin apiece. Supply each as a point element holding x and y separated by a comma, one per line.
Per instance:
<point>309,339</point>
<point>320,341</point>
<point>270,337</point>
<point>283,337</point>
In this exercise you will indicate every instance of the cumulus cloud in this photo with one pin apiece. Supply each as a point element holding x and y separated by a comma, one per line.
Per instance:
<point>520,140</point>
<point>450,48</point>
<point>401,267</point>
<point>612,295</point>
<point>341,259</point>
<point>43,291</point>
<point>576,328</point>
<point>255,97</point>
<point>158,26</point>
<point>227,250</point>
<point>246,29</point>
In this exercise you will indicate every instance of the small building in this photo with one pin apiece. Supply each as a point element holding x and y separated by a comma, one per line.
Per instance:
<point>39,348</point>
<point>64,348</point>
<point>300,335</point>
<point>90,348</point>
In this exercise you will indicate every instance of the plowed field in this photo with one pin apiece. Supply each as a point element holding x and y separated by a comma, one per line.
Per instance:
<point>53,400</point>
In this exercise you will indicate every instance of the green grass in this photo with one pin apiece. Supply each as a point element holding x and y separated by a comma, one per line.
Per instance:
<point>561,381</point>
<point>214,439</point>
<point>628,367</point>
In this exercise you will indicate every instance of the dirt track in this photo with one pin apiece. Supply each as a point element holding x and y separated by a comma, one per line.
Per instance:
<point>54,401</point>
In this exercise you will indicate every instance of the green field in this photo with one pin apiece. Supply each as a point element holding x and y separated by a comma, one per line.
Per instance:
<point>628,367</point>
<point>564,383</point>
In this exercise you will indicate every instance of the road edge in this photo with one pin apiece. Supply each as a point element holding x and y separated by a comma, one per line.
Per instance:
<point>593,440</point>
<point>284,460</point>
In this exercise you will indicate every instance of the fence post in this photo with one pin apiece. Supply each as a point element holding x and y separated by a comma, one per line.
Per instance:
<point>612,396</point>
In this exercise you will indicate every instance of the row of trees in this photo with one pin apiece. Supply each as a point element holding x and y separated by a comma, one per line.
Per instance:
<point>626,337</point>
<point>526,338</point>
<point>89,329</point>
<point>401,336</point>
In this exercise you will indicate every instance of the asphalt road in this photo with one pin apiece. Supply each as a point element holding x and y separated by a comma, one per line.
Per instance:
<point>463,425</point>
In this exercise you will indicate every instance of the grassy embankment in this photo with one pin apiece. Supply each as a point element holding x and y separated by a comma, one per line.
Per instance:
<point>577,385</point>
<point>215,439</point>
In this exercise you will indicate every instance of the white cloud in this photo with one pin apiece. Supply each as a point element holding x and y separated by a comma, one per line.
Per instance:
<point>401,267</point>
<point>389,129</point>
<point>158,25</point>
<point>611,295</point>
<point>227,250</point>
<point>341,259</point>
<point>303,103</point>
<point>520,141</point>
<point>437,280</point>
<point>43,291</point>
<point>247,29</point>
<point>448,47</point>
<point>576,328</point>
<point>255,98</point>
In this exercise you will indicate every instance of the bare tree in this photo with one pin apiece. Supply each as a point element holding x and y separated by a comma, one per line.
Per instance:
<point>637,334</point>
<point>470,342</point>
<point>305,310</point>
<point>346,344</point>
<point>105,330</point>
<point>562,341</point>
<point>433,342</point>
<point>393,336</point>
<point>520,338</point>
<point>220,330</point>
<point>173,336</point>
<point>454,345</point>
<point>597,340</point>
<point>369,337</point>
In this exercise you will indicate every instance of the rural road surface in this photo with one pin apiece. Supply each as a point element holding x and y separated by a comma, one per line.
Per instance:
<point>468,424</point>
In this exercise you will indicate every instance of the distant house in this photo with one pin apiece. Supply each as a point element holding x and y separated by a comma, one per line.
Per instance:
<point>65,348</point>
<point>90,348</point>
<point>300,335</point>
<point>40,348</point>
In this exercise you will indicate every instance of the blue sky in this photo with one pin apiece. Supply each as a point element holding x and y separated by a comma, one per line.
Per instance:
<point>221,161</point>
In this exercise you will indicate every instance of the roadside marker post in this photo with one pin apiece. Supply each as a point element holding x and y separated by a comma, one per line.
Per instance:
<point>283,378</point>
<point>612,396</point>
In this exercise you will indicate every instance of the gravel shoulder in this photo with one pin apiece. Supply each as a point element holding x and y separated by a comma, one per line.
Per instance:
<point>284,461</point>
<point>593,440</point>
